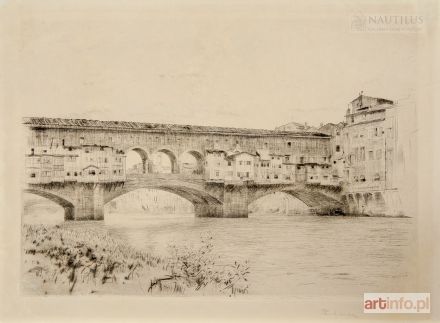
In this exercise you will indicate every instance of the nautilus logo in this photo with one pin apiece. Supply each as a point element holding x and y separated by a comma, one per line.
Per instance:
<point>386,23</point>
<point>358,23</point>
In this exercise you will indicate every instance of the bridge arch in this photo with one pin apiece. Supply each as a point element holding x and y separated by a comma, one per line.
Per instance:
<point>313,198</point>
<point>142,152</point>
<point>172,157</point>
<point>197,156</point>
<point>277,202</point>
<point>204,203</point>
<point>69,209</point>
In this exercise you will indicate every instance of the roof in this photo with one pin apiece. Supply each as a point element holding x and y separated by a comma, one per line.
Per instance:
<point>59,123</point>
<point>379,100</point>
<point>264,154</point>
<point>235,154</point>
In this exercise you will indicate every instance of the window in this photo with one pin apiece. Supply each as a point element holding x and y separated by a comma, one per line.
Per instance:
<point>334,162</point>
<point>248,162</point>
<point>217,173</point>
<point>362,178</point>
<point>376,177</point>
<point>275,176</point>
<point>370,155</point>
<point>362,153</point>
<point>241,163</point>
<point>76,174</point>
<point>247,174</point>
<point>338,148</point>
<point>33,175</point>
<point>379,154</point>
<point>229,163</point>
<point>68,174</point>
<point>289,144</point>
<point>92,172</point>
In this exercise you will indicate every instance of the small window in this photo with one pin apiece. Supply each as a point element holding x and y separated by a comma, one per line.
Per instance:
<point>92,172</point>
<point>338,148</point>
<point>33,175</point>
<point>275,176</point>
<point>334,162</point>
<point>289,144</point>
<point>229,163</point>
<point>68,174</point>
<point>76,174</point>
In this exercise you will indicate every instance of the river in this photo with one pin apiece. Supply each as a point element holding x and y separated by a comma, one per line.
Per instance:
<point>289,255</point>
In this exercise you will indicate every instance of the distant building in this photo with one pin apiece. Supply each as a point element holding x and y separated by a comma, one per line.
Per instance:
<point>295,126</point>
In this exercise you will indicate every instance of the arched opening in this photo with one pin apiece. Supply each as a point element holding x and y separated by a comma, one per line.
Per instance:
<point>148,201</point>
<point>45,208</point>
<point>164,161</point>
<point>191,162</point>
<point>278,203</point>
<point>136,161</point>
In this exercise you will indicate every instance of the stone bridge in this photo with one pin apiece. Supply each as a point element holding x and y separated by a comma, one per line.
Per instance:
<point>85,201</point>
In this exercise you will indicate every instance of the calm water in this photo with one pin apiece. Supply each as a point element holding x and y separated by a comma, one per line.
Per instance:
<point>288,255</point>
<point>295,255</point>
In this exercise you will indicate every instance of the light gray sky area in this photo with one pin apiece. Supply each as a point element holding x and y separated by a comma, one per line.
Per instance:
<point>243,64</point>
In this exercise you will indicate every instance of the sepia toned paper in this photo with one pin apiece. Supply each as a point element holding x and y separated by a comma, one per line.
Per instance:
<point>238,160</point>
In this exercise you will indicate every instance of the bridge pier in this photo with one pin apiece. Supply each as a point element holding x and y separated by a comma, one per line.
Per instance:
<point>208,210</point>
<point>89,202</point>
<point>235,201</point>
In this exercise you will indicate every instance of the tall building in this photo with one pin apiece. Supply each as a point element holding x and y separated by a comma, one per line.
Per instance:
<point>369,147</point>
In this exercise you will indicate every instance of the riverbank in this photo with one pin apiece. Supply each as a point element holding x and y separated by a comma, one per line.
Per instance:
<point>79,259</point>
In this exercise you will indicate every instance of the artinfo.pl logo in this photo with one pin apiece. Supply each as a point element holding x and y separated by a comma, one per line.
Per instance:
<point>397,302</point>
<point>386,23</point>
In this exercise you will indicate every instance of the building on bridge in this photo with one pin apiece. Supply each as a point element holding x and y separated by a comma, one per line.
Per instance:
<point>266,167</point>
<point>82,164</point>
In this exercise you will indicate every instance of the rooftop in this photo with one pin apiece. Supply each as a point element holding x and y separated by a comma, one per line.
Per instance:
<point>59,123</point>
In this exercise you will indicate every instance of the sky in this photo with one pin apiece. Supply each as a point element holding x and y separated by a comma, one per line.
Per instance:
<point>246,64</point>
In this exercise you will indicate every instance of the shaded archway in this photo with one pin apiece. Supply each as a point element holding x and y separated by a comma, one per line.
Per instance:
<point>316,200</point>
<point>277,203</point>
<point>69,209</point>
<point>161,165</point>
<point>191,162</point>
<point>204,203</point>
<point>136,161</point>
